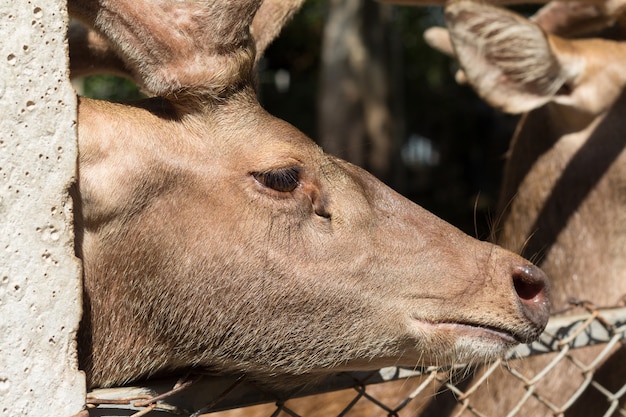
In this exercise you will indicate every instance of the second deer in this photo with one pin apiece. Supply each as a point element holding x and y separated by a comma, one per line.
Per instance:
<point>562,201</point>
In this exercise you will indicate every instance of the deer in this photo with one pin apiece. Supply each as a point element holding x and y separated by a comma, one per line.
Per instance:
<point>561,199</point>
<point>215,236</point>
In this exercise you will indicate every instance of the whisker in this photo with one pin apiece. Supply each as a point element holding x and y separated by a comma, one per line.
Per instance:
<point>500,216</point>
<point>526,242</point>
<point>475,210</point>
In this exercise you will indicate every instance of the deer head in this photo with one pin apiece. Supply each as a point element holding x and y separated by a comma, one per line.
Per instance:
<point>216,235</point>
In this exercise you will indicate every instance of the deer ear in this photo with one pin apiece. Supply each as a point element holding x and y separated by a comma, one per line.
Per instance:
<point>507,58</point>
<point>178,48</point>
<point>270,19</point>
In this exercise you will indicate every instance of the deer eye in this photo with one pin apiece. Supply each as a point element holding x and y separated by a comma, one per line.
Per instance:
<point>284,180</point>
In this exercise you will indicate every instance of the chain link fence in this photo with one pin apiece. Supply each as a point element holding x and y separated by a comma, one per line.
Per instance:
<point>576,368</point>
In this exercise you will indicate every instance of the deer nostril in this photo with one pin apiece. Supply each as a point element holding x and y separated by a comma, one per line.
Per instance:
<point>529,281</point>
<point>531,286</point>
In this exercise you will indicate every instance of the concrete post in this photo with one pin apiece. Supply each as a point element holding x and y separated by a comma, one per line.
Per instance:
<point>40,286</point>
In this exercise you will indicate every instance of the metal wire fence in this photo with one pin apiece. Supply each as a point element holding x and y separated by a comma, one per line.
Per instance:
<point>576,368</point>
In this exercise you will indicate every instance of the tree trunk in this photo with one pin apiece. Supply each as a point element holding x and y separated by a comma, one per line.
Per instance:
<point>355,120</point>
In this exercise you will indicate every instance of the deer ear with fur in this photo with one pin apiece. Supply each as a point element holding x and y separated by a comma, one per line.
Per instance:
<point>188,47</point>
<point>506,58</point>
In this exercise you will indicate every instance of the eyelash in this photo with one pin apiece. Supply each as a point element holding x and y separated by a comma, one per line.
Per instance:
<point>283,180</point>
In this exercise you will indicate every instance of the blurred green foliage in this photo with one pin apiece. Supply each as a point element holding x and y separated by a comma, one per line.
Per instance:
<point>110,87</point>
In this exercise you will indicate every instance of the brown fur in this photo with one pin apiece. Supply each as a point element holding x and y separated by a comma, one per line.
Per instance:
<point>194,256</point>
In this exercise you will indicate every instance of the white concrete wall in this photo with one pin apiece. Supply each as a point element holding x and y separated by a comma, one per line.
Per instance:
<point>40,284</point>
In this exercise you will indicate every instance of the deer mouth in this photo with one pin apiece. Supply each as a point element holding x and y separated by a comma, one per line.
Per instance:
<point>471,330</point>
<point>482,331</point>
